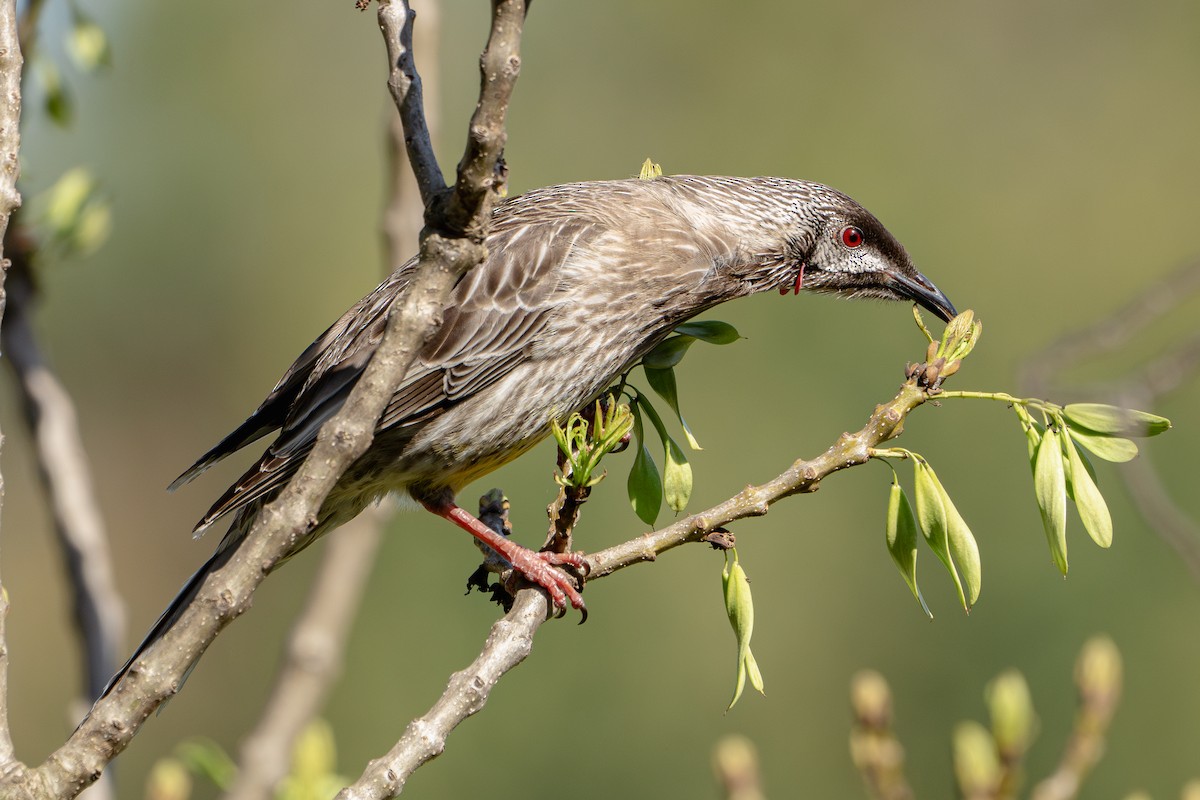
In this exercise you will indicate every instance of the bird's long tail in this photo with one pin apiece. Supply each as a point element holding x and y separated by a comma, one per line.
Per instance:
<point>229,545</point>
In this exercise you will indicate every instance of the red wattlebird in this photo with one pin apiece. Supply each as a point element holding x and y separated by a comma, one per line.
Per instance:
<point>580,281</point>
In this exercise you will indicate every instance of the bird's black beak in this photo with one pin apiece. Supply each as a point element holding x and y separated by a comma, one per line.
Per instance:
<point>921,290</point>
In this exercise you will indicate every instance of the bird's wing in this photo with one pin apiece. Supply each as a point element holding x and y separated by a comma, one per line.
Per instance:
<point>495,312</point>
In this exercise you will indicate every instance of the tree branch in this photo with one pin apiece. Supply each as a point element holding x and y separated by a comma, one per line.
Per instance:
<point>62,463</point>
<point>511,638</point>
<point>404,212</point>
<point>404,82</point>
<point>10,200</point>
<point>449,248</point>
<point>509,642</point>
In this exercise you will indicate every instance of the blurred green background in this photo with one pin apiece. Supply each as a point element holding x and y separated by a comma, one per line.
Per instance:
<point>1037,159</point>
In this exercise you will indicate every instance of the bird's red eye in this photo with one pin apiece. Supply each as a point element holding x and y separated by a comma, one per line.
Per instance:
<point>852,237</point>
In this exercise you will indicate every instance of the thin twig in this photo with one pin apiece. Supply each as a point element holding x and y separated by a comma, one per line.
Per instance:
<point>1037,374</point>
<point>510,639</point>
<point>10,201</point>
<point>414,129</point>
<point>404,211</point>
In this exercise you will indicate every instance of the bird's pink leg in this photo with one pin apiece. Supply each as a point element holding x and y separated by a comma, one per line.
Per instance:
<point>537,567</point>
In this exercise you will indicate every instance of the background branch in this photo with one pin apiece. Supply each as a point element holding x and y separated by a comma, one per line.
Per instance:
<point>10,201</point>
<point>66,477</point>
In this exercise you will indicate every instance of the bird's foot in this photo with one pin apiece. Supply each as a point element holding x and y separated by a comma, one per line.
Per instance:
<point>540,568</point>
<point>537,567</point>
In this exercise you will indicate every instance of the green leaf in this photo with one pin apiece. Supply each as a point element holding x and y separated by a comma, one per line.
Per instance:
<point>960,542</point>
<point>88,44</point>
<point>95,225</point>
<point>711,331</point>
<point>644,484</point>
<point>960,336</point>
<point>1093,511</point>
<point>668,352</point>
<point>677,472</point>
<point>1032,429</point>
<point>169,779</point>
<point>1115,421</point>
<point>1110,448</point>
<point>662,381</point>
<point>57,99</point>
<point>205,757</point>
<point>902,540</point>
<point>1049,486</point>
<point>1068,466</point>
<point>650,170</point>
<point>931,514</point>
<point>66,200</point>
<point>677,477</point>
<point>739,607</point>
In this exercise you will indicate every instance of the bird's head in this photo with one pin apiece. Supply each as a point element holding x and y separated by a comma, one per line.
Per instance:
<point>853,255</point>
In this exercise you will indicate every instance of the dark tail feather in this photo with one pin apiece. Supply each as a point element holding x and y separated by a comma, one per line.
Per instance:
<point>184,599</point>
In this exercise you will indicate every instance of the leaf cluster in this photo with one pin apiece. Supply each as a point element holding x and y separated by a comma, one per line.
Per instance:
<point>648,488</point>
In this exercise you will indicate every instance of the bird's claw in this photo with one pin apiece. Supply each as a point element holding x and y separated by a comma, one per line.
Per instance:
<point>540,569</point>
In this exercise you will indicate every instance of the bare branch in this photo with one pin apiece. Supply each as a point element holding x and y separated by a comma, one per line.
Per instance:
<point>63,466</point>
<point>508,643</point>
<point>1113,331</point>
<point>510,639</point>
<point>405,208</point>
<point>849,450</point>
<point>404,82</point>
<point>10,200</point>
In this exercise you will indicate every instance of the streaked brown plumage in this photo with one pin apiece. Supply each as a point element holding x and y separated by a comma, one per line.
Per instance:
<point>580,281</point>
